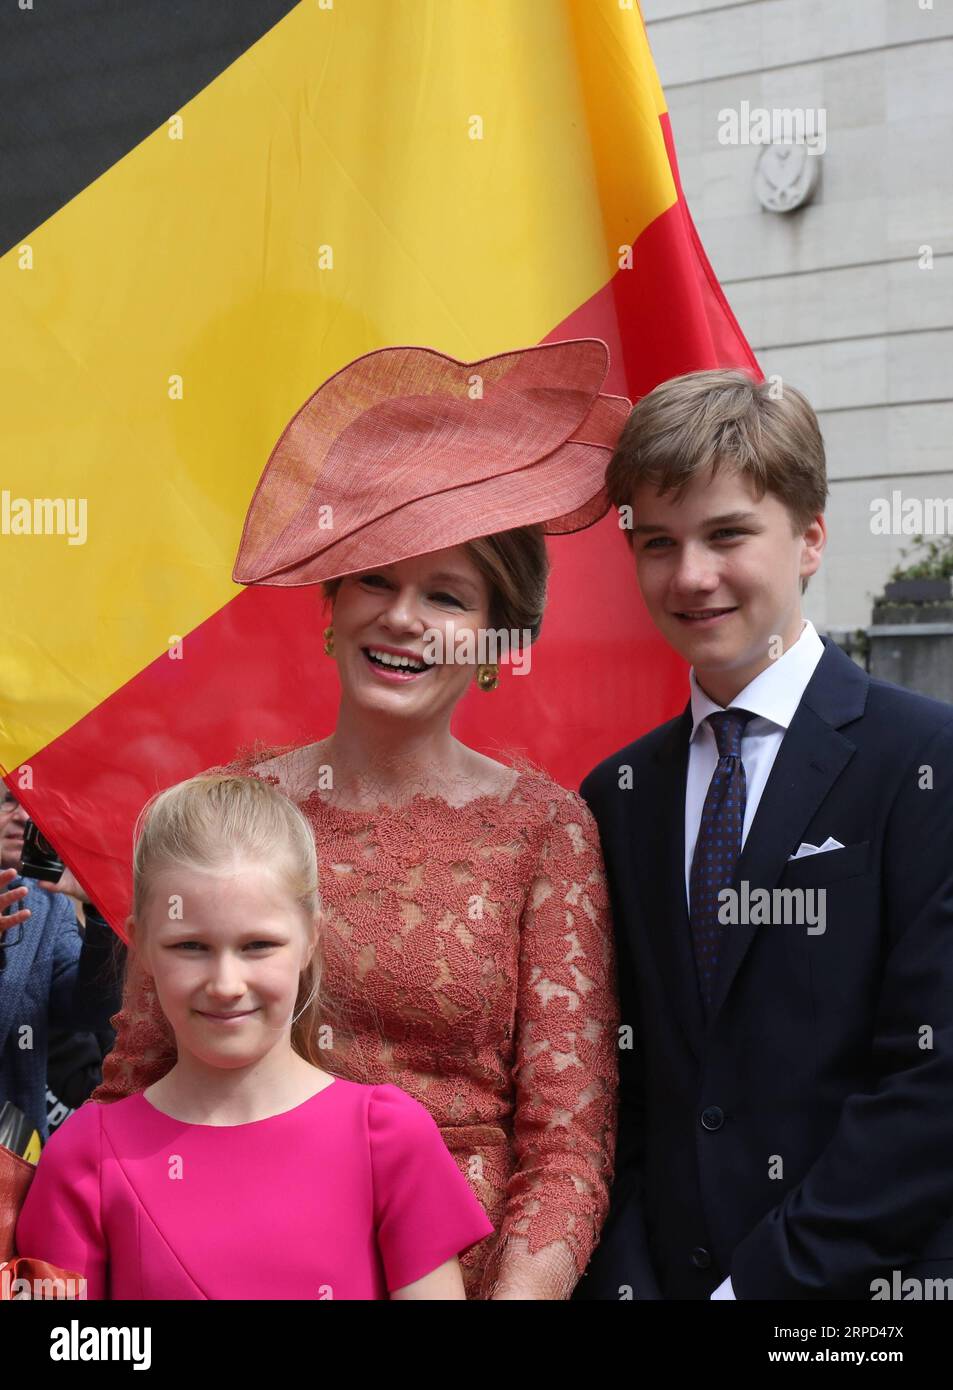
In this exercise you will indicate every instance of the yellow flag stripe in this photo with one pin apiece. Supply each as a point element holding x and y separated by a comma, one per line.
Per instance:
<point>451,173</point>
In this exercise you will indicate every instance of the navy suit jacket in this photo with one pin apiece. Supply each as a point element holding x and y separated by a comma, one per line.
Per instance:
<point>799,1138</point>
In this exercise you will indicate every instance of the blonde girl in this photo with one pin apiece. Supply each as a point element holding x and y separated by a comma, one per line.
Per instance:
<point>247,1170</point>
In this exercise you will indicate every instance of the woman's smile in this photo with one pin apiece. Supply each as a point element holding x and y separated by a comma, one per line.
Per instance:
<point>395,664</point>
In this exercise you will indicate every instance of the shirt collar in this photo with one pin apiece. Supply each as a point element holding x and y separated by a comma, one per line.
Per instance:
<point>773,695</point>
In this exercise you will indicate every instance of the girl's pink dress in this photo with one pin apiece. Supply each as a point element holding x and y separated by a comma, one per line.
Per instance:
<point>350,1195</point>
<point>468,959</point>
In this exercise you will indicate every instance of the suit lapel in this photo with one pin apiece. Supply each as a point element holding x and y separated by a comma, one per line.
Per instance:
<point>812,756</point>
<point>660,855</point>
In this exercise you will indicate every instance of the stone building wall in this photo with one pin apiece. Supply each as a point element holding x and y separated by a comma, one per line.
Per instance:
<point>838,297</point>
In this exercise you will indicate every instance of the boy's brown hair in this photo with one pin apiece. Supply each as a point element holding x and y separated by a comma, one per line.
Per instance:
<point>725,417</point>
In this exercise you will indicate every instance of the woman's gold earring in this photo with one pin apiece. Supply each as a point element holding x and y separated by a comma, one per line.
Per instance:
<point>329,641</point>
<point>488,677</point>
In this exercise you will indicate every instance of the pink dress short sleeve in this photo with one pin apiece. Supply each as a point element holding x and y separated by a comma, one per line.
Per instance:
<point>351,1194</point>
<point>61,1218</point>
<point>425,1212</point>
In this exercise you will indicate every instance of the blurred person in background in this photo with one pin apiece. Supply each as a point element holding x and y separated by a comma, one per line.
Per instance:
<point>74,1069</point>
<point>53,970</point>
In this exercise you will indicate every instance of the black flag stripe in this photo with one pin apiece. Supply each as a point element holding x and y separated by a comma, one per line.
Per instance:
<point>84,81</point>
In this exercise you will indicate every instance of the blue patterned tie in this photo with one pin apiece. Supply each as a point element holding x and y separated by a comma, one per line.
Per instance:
<point>718,847</point>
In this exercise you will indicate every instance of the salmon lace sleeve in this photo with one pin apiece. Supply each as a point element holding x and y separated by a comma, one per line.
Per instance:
<point>565,1067</point>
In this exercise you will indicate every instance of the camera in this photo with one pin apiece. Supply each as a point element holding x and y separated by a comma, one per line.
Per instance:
<point>39,859</point>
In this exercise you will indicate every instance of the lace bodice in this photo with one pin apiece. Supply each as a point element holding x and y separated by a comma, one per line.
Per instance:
<point>468,960</point>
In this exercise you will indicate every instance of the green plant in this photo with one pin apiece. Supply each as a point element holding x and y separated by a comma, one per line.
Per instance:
<point>935,563</point>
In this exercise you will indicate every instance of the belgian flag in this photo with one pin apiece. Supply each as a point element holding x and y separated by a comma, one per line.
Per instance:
<point>207,209</point>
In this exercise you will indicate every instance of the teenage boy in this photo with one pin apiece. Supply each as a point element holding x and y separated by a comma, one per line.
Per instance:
<point>786,1057</point>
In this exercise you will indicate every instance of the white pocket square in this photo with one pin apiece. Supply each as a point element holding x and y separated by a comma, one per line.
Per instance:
<point>805,849</point>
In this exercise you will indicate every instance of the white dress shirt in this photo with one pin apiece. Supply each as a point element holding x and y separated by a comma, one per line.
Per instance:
<point>772,697</point>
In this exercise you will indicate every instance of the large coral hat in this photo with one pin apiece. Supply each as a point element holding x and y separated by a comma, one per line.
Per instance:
<point>405,451</point>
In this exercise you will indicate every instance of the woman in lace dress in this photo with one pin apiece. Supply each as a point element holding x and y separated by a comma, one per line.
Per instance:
<point>466,939</point>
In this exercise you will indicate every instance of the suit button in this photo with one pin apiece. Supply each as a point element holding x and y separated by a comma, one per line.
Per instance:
<point>700,1257</point>
<point>713,1117</point>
